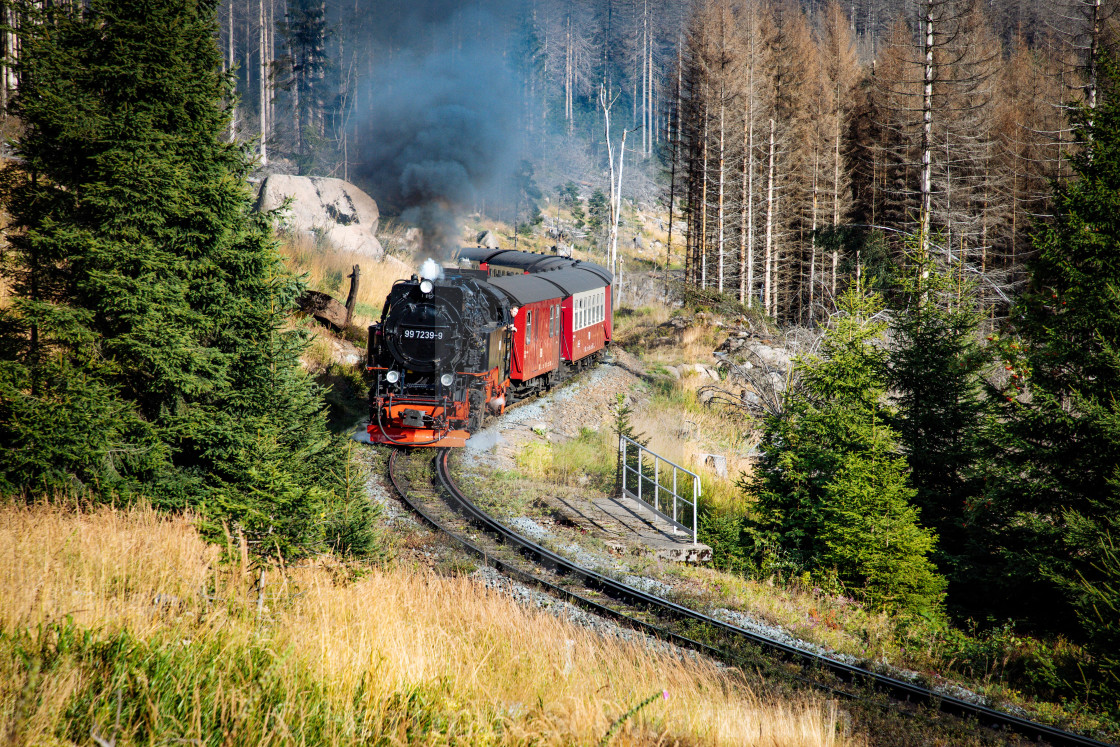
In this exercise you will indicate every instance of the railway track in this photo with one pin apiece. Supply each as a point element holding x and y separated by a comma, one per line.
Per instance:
<point>436,497</point>
<point>425,495</point>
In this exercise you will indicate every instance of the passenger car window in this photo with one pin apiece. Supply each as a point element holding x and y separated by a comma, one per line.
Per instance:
<point>528,327</point>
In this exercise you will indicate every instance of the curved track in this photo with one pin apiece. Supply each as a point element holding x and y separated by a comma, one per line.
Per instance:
<point>896,688</point>
<point>440,523</point>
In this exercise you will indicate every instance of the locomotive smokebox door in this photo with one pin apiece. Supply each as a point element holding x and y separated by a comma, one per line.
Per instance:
<point>413,419</point>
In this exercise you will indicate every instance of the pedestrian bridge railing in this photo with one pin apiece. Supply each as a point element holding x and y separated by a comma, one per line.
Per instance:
<point>669,490</point>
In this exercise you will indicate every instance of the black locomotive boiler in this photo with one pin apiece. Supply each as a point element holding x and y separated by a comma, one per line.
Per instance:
<point>440,356</point>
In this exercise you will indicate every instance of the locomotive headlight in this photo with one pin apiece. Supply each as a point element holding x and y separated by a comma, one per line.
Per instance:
<point>393,376</point>
<point>425,286</point>
<point>446,379</point>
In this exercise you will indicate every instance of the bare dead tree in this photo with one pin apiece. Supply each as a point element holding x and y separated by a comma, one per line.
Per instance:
<point>264,78</point>
<point>606,103</point>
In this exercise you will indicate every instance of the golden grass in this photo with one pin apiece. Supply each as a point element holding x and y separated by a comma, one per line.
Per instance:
<point>328,269</point>
<point>501,673</point>
<point>633,321</point>
<point>682,430</point>
<point>834,622</point>
<point>679,427</point>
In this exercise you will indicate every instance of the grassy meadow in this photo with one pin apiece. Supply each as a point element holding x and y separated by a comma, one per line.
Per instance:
<point>124,625</point>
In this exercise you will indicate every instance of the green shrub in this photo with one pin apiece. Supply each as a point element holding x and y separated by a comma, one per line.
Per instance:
<point>725,533</point>
<point>332,281</point>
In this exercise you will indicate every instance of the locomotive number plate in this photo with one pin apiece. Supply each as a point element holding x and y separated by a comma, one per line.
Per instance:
<point>423,334</point>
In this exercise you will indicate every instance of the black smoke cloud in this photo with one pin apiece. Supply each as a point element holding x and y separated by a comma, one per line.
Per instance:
<point>443,131</point>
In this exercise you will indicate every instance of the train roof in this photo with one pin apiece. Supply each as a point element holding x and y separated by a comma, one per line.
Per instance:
<point>531,262</point>
<point>526,289</point>
<point>527,261</point>
<point>555,284</point>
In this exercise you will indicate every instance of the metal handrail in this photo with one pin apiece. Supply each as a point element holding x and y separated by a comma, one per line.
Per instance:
<point>655,507</point>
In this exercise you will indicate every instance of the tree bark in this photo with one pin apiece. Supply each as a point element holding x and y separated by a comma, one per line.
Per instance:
<point>228,66</point>
<point>352,297</point>
<point>927,129</point>
<point>768,279</point>
<point>720,212</point>
<point>262,47</point>
<point>704,210</point>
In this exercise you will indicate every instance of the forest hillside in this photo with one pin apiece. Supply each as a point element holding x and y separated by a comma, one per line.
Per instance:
<point>914,208</point>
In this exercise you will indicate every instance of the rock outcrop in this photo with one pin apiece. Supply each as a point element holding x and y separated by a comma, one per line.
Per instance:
<point>324,309</point>
<point>487,240</point>
<point>321,206</point>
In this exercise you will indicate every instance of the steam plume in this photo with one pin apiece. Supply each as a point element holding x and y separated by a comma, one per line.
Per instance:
<point>443,135</point>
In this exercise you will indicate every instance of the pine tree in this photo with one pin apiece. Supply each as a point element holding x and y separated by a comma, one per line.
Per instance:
<point>623,412</point>
<point>871,532</point>
<point>832,491</point>
<point>1099,600</point>
<point>303,71</point>
<point>1100,603</point>
<point>527,209</point>
<point>149,312</point>
<point>1060,492</point>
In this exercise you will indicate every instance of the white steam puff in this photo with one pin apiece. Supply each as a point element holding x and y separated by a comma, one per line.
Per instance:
<point>431,270</point>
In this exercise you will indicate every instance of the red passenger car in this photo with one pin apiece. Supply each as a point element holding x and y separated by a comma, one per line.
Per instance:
<point>535,348</point>
<point>584,325</point>
<point>587,323</point>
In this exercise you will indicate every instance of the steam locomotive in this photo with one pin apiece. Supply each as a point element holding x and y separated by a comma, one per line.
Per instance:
<point>500,326</point>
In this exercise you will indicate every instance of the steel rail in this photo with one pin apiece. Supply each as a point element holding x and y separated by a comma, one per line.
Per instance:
<point>897,688</point>
<point>525,577</point>
<point>596,607</point>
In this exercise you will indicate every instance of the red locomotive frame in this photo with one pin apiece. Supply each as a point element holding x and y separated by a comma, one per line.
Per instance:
<point>445,411</point>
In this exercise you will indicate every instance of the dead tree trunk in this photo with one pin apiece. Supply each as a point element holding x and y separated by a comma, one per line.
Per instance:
<point>722,172</point>
<point>226,68</point>
<point>352,297</point>
<point>674,143</point>
<point>927,128</point>
<point>262,46</point>
<point>768,279</point>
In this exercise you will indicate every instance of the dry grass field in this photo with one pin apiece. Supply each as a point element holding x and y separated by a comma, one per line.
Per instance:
<point>126,625</point>
<point>328,270</point>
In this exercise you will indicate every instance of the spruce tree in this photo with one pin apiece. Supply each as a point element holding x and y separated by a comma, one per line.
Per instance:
<point>622,413</point>
<point>832,492</point>
<point>146,348</point>
<point>1059,495</point>
<point>303,76</point>
<point>1100,602</point>
<point>934,374</point>
<point>598,213</point>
